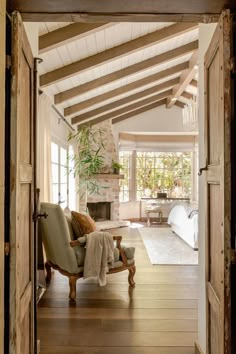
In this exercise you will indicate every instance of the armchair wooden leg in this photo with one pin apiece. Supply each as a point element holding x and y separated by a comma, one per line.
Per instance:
<point>72,284</point>
<point>132,271</point>
<point>48,272</point>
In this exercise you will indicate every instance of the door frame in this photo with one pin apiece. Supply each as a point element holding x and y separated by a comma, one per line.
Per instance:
<point>63,17</point>
<point>2,169</point>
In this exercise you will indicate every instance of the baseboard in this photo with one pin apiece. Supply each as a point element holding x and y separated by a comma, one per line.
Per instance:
<point>198,349</point>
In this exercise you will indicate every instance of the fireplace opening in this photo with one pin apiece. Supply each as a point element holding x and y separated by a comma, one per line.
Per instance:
<point>100,211</point>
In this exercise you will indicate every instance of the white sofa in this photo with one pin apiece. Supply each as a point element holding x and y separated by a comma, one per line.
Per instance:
<point>184,222</point>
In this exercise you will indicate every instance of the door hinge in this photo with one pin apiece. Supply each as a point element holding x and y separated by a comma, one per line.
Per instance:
<point>232,65</point>
<point>8,61</point>
<point>7,248</point>
<point>233,256</point>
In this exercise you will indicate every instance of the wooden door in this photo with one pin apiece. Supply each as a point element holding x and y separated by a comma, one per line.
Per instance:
<point>21,194</point>
<point>218,186</point>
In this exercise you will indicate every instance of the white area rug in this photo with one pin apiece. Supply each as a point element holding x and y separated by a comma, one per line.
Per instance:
<point>164,247</point>
<point>109,224</point>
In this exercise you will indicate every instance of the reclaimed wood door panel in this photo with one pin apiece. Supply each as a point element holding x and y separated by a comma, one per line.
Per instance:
<point>22,194</point>
<point>218,186</point>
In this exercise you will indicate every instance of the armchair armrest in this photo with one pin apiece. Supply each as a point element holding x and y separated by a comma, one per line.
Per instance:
<point>118,245</point>
<point>75,243</point>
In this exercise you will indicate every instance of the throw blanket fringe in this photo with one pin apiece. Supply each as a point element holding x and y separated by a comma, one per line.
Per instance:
<point>99,254</point>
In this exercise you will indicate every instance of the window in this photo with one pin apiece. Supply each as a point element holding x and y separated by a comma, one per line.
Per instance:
<point>125,161</point>
<point>168,172</point>
<point>60,178</point>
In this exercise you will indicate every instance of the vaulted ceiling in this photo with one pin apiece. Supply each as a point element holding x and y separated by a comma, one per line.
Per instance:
<point>99,71</point>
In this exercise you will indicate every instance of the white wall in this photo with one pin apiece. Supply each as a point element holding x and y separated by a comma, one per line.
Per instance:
<point>31,30</point>
<point>205,35</point>
<point>160,119</point>
<point>2,160</point>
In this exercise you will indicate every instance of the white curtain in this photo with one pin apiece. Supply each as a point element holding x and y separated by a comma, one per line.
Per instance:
<point>44,148</point>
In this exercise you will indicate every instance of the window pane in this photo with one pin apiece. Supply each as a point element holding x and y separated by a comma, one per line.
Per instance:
<point>55,174</point>
<point>163,172</point>
<point>55,192</point>
<point>63,193</point>
<point>54,153</point>
<point>63,174</point>
<point>63,153</point>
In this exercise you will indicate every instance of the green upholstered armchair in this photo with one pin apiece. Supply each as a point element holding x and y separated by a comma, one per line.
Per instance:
<point>67,255</point>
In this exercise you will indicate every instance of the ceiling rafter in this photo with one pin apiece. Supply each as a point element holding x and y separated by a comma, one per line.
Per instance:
<point>185,78</point>
<point>179,104</point>
<point>132,86</point>
<point>67,34</point>
<point>119,51</point>
<point>113,114</point>
<point>131,98</point>
<point>130,70</point>
<point>194,83</point>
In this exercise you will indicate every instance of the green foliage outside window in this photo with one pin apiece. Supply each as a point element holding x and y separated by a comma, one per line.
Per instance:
<point>168,172</point>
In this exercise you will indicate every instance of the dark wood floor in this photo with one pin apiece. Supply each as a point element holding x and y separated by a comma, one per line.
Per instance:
<point>158,316</point>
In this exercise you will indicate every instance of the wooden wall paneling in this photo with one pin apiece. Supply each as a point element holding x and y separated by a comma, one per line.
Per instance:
<point>152,90</point>
<point>67,34</point>
<point>132,69</point>
<point>2,163</point>
<point>115,52</point>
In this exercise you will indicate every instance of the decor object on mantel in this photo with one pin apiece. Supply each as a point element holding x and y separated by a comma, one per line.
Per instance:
<point>116,166</point>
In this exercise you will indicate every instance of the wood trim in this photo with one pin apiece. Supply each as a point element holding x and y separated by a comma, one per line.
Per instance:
<point>67,34</point>
<point>152,90</point>
<point>113,114</point>
<point>117,17</point>
<point>185,79</point>
<point>198,349</point>
<point>119,51</point>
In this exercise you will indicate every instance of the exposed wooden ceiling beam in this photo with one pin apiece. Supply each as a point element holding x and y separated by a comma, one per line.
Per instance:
<point>113,114</point>
<point>132,86</point>
<point>139,111</point>
<point>187,95</point>
<point>67,34</point>
<point>130,70</point>
<point>128,99</point>
<point>194,83</point>
<point>93,61</point>
<point>179,104</point>
<point>185,78</point>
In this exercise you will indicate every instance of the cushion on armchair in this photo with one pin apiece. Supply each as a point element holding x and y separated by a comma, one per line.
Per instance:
<point>82,224</point>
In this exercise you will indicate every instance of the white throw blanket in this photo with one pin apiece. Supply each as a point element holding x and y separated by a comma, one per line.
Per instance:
<point>99,254</point>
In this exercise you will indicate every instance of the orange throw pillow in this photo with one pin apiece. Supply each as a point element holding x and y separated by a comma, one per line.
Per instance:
<point>82,224</point>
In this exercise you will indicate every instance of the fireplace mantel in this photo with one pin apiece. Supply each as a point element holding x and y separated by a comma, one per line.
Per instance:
<point>109,175</point>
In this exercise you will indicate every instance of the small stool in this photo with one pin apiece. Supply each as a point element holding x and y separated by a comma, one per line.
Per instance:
<point>156,210</point>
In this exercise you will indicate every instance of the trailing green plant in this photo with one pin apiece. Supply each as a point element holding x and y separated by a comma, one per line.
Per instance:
<point>88,160</point>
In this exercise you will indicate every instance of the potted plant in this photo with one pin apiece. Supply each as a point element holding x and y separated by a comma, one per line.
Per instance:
<point>88,159</point>
<point>116,166</point>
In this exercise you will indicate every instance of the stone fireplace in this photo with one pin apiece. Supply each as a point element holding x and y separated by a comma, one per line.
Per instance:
<point>109,183</point>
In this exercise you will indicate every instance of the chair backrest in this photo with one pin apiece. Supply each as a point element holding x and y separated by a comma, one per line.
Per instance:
<point>56,238</point>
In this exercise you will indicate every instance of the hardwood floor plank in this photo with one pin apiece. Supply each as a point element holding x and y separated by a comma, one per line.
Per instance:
<point>158,316</point>
<point>117,350</point>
